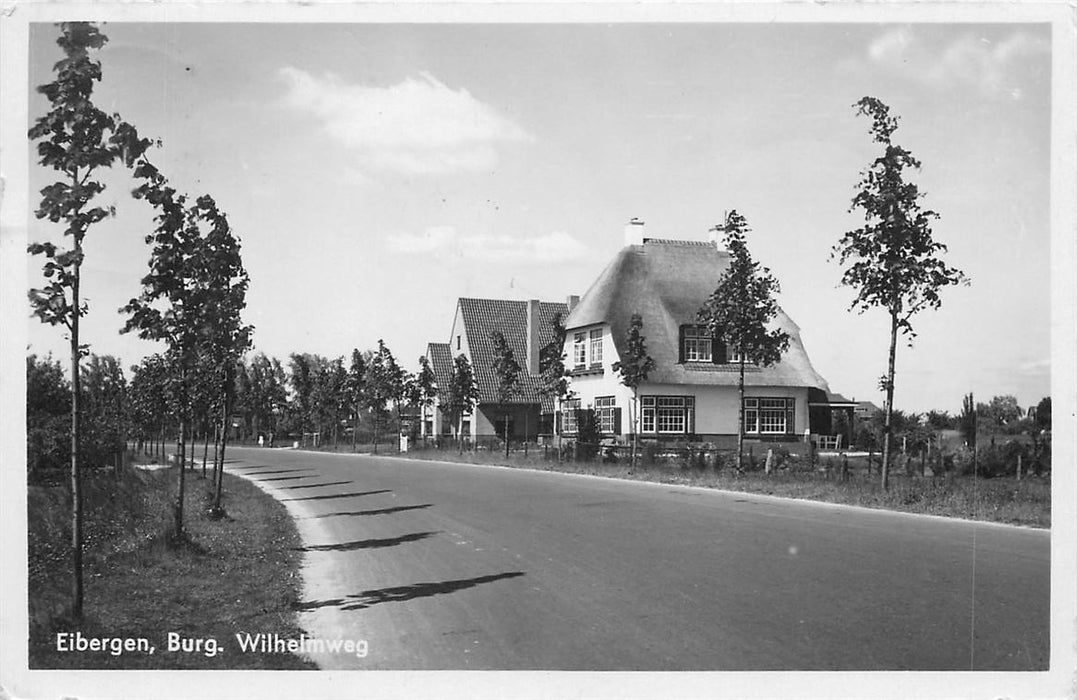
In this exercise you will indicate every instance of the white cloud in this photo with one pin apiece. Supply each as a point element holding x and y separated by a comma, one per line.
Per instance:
<point>557,246</point>
<point>978,62</point>
<point>419,126</point>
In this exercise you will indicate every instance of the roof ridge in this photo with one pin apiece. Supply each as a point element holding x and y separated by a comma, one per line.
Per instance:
<point>679,241</point>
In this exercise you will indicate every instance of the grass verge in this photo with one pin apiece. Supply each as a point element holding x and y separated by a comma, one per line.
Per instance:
<point>237,574</point>
<point>1003,500</point>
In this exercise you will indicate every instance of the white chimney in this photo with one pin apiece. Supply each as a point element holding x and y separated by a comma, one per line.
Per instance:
<point>532,336</point>
<point>634,232</point>
<point>571,302</point>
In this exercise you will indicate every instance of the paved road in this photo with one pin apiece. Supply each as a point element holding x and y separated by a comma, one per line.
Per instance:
<point>448,566</point>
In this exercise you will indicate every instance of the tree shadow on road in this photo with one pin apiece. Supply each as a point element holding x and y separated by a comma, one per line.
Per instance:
<point>314,486</point>
<point>399,594</point>
<point>366,544</point>
<point>379,511</point>
<point>277,471</point>
<point>337,495</point>
<point>279,478</point>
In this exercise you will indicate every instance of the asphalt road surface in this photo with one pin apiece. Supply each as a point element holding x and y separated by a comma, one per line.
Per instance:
<point>452,566</point>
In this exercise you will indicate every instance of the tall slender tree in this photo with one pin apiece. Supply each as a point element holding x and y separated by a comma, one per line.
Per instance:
<point>552,371</point>
<point>385,383</point>
<point>893,260</point>
<point>424,389</point>
<point>76,139</point>
<point>507,371</point>
<point>355,389</point>
<point>462,396</point>
<point>741,310</point>
<point>634,367</point>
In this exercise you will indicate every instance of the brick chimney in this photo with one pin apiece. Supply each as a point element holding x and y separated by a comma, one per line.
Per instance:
<point>634,232</point>
<point>533,338</point>
<point>571,302</point>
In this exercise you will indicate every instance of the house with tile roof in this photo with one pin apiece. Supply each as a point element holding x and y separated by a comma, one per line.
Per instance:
<point>527,327</point>
<point>692,393</point>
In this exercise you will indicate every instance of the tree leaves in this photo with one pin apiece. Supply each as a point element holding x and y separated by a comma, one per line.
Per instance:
<point>743,305</point>
<point>892,261</point>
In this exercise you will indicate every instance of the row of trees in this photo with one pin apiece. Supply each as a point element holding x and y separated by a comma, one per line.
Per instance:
<point>191,299</point>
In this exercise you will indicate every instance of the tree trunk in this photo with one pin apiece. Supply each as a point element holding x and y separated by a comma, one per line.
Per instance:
<point>506,435</point>
<point>205,450</point>
<point>178,508</point>
<point>740,416</point>
<point>216,448</point>
<point>355,430</point>
<point>76,476</point>
<point>888,427</point>
<point>635,427</point>
<point>224,443</point>
<point>375,443</point>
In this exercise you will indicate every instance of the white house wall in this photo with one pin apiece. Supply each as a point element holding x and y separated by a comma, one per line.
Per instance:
<point>716,407</point>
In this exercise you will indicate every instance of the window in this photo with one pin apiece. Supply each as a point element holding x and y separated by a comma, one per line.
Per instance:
<point>668,415</point>
<point>569,425</point>
<point>605,410</point>
<point>769,416</point>
<point>697,344</point>
<point>596,346</point>
<point>734,356</point>
<point>457,342</point>
<point>579,349</point>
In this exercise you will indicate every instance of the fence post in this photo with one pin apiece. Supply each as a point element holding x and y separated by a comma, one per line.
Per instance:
<point>844,467</point>
<point>1018,466</point>
<point>770,461</point>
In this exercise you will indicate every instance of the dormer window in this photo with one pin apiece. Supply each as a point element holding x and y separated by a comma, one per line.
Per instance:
<point>698,344</point>
<point>579,350</point>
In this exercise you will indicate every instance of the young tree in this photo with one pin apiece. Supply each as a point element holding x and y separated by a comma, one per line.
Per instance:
<point>462,395</point>
<point>968,424</point>
<point>423,388</point>
<point>634,367</point>
<point>892,261</point>
<point>741,309</point>
<point>75,138</point>
<point>385,383</point>
<point>553,375</point>
<point>301,378</point>
<point>354,389</point>
<point>507,371</point>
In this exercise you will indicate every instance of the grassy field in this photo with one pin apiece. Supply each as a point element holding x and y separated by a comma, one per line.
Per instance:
<point>1004,500</point>
<point>236,574</point>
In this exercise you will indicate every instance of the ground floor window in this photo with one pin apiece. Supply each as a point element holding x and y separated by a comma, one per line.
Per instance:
<point>606,414</point>
<point>769,416</point>
<point>667,415</point>
<point>569,424</point>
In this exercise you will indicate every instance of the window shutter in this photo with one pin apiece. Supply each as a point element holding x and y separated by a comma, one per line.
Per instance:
<point>790,427</point>
<point>717,351</point>
<point>557,422</point>
<point>617,420</point>
<point>680,346</point>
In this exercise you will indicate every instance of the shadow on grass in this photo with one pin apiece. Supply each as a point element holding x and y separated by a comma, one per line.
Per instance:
<point>337,495</point>
<point>379,511</point>
<point>399,594</point>
<point>367,544</point>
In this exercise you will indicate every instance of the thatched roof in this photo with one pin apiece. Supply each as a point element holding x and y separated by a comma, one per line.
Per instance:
<point>667,282</point>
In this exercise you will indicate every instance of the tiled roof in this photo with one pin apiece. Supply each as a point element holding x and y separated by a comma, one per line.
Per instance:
<point>667,282</point>
<point>441,363</point>
<point>482,317</point>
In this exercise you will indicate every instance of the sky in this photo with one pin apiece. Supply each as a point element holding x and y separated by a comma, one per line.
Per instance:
<point>374,173</point>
